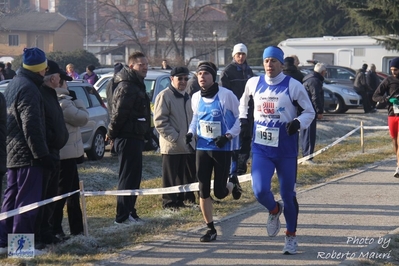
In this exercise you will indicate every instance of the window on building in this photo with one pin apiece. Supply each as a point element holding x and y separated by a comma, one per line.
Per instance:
<point>142,7</point>
<point>130,2</point>
<point>13,40</point>
<point>143,25</point>
<point>117,2</point>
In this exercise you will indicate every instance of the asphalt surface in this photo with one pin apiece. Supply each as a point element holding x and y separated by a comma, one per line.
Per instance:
<point>351,216</point>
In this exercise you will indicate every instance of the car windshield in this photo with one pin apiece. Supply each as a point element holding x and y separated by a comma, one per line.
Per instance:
<point>149,85</point>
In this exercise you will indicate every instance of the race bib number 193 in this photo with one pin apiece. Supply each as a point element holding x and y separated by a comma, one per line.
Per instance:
<point>267,136</point>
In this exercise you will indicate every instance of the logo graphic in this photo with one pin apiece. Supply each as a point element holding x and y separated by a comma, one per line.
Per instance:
<point>21,246</point>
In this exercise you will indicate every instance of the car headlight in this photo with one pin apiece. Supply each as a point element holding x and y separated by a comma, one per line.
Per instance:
<point>349,92</point>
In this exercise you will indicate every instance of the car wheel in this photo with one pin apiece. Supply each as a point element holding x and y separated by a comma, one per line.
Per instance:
<point>340,108</point>
<point>97,147</point>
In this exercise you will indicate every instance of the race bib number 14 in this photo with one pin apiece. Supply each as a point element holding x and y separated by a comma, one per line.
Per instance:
<point>210,129</point>
<point>267,136</point>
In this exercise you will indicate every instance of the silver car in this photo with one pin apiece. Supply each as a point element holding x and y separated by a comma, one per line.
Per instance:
<point>93,133</point>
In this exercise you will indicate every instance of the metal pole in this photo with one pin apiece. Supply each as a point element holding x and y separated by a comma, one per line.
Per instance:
<point>217,52</point>
<point>362,136</point>
<point>84,210</point>
<point>86,25</point>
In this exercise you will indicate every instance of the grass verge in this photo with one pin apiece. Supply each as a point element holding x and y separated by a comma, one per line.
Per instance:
<point>107,239</point>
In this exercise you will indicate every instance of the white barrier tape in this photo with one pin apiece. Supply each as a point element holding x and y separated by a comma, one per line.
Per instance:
<point>156,191</point>
<point>327,147</point>
<point>375,127</point>
<point>35,205</point>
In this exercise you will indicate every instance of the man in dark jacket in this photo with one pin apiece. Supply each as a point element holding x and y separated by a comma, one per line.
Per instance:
<point>234,78</point>
<point>111,86</point>
<point>130,123</point>
<point>9,73</point>
<point>3,135</point>
<point>27,151</point>
<point>291,70</point>
<point>373,81</point>
<point>313,84</point>
<point>56,137</point>
<point>362,88</point>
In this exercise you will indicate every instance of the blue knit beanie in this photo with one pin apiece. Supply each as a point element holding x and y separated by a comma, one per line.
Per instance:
<point>394,63</point>
<point>34,59</point>
<point>275,52</point>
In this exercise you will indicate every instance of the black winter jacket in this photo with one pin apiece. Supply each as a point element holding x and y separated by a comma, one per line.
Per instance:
<point>26,136</point>
<point>388,88</point>
<point>293,71</point>
<point>131,112</point>
<point>313,83</point>
<point>235,76</point>
<point>56,131</point>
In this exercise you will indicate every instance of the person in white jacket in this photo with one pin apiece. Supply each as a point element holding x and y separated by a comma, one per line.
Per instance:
<point>75,116</point>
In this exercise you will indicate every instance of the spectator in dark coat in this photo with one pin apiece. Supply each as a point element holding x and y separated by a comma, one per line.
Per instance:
<point>313,84</point>
<point>27,151</point>
<point>373,81</point>
<point>56,137</point>
<point>111,86</point>
<point>291,70</point>
<point>10,74</point>
<point>362,88</point>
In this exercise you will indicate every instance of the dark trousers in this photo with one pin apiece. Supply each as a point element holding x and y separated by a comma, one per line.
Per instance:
<point>366,101</point>
<point>217,162</point>
<point>69,181</point>
<point>177,169</point>
<point>130,156</point>
<point>308,139</point>
<point>24,186</point>
<point>190,176</point>
<point>44,221</point>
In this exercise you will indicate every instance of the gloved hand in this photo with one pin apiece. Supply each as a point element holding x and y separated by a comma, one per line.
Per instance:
<point>394,101</point>
<point>293,127</point>
<point>245,128</point>
<point>189,137</point>
<point>221,141</point>
<point>48,162</point>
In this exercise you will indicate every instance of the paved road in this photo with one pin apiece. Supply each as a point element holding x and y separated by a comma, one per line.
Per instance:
<point>337,218</point>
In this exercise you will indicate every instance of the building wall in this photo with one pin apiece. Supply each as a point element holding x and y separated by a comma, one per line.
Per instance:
<point>68,38</point>
<point>6,50</point>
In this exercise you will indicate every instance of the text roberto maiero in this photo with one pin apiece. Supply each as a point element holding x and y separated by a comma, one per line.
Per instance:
<point>353,255</point>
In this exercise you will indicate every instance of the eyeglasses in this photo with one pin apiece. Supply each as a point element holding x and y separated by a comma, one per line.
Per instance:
<point>181,78</point>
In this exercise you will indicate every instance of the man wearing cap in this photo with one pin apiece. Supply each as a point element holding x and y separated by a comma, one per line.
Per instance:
<point>388,92</point>
<point>234,77</point>
<point>56,137</point>
<point>128,126</point>
<point>275,142</point>
<point>172,117</point>
<point>27,150</point>
<point>216,125</point>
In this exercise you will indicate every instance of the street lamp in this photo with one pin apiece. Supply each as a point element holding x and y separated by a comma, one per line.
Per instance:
<point>217,48</point>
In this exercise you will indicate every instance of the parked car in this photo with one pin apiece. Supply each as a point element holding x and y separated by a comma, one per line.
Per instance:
<point>93,133</point>
<point>346,96</point>
<point>100,71</point>
<point>336,74</point>
<point>330,101</point>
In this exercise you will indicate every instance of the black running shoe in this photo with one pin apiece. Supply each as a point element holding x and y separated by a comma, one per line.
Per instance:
<point>237,190</point>
<point>209,236</point>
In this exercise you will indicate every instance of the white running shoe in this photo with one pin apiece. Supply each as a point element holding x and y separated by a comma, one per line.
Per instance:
<point>396,174</point>
<point>131,221</point>
<point>291,244</point>
<point>273,222</point>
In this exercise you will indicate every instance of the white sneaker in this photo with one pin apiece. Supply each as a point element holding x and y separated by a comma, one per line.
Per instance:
<point>291,244</point>
<point>130,221</point>
<point>273,222</point>
<point>396,174</point>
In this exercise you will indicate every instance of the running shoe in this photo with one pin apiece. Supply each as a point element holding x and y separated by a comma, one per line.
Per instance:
<point>396,174</point>
<point>237,190</point>
<point>273,222</point>
<point>209,236</point>
<point>290,246</point>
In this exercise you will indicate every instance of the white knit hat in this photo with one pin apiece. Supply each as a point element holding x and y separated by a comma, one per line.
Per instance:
<point>239,48</point>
